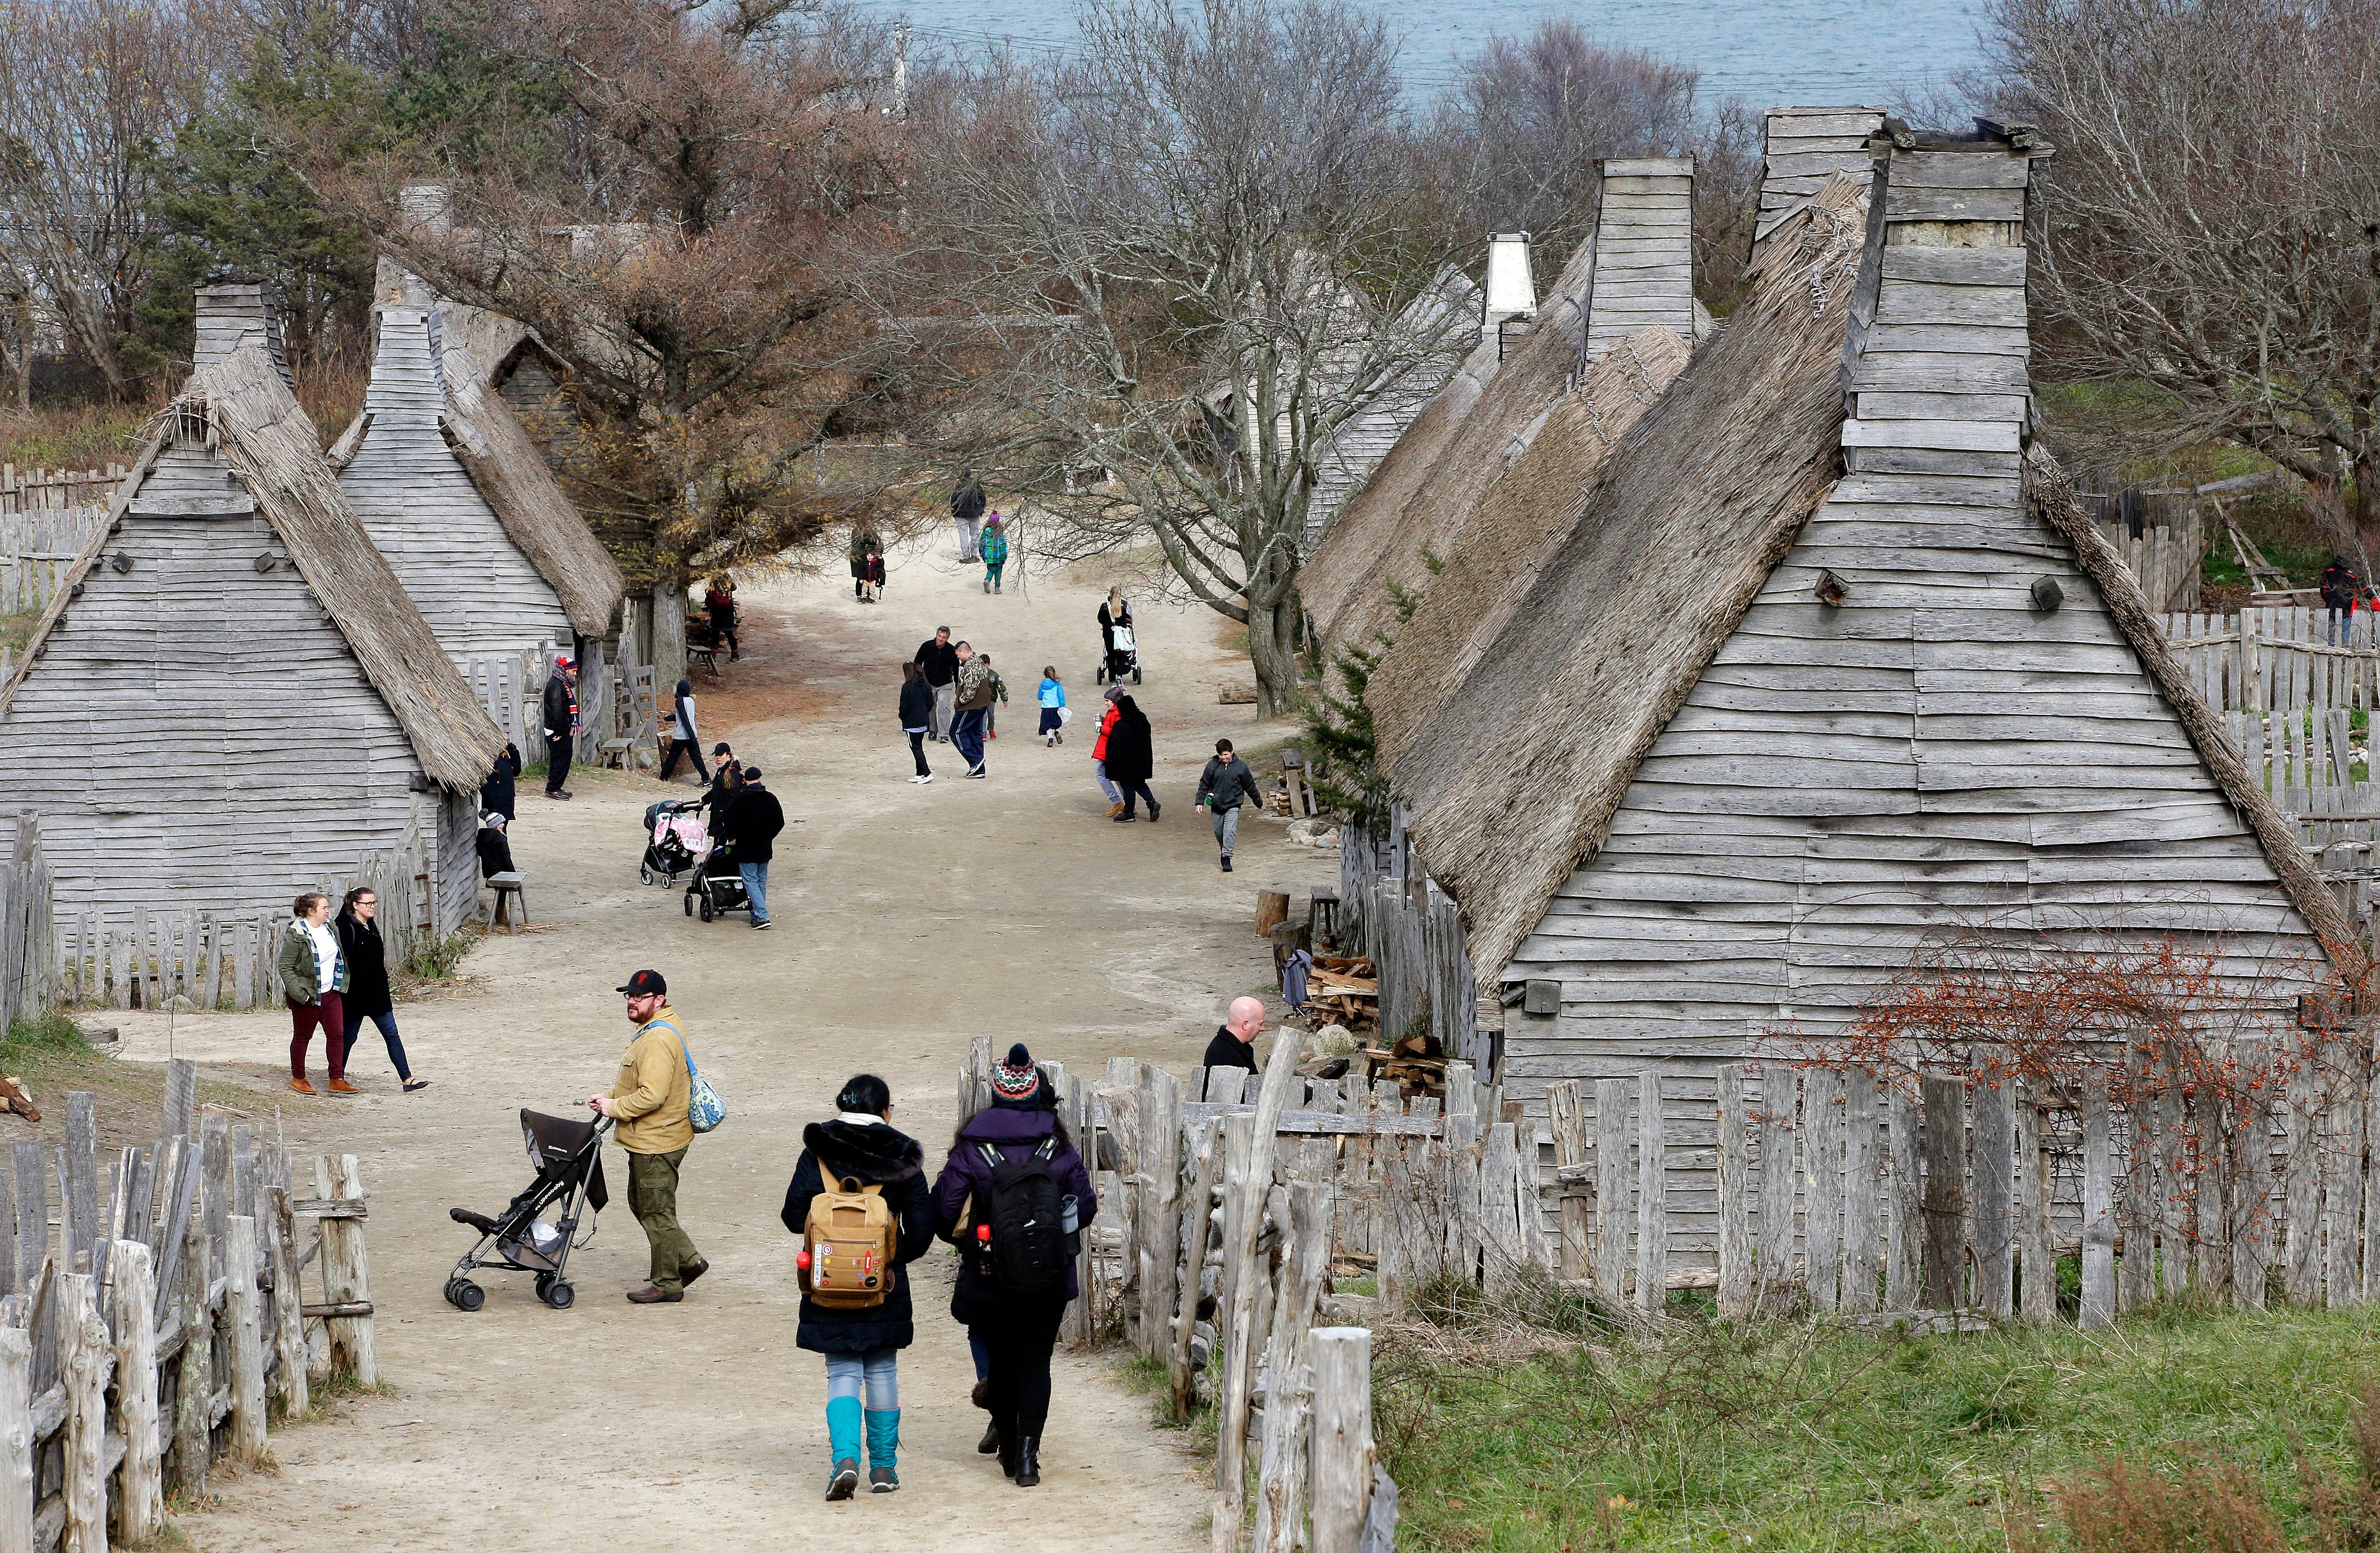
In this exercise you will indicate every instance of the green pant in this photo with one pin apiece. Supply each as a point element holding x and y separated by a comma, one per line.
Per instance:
<point>652,1197</point>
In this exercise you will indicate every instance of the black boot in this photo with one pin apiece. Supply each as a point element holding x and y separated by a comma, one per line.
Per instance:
<point>1007,1452</point>
<point>990,1441</point>
<point>1029,1464</point>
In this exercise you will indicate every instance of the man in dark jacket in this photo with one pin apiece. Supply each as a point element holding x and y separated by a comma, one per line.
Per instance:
<point>940,661</point>
<point>1235,1043</point>
<point>559,712</point>
<point>753,822</point>
<point>2338,588</point>
<point>967,510</point>
<point>1222,787</point>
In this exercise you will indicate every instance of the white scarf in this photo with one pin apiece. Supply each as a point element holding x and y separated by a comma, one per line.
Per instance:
<point>859,1119</point>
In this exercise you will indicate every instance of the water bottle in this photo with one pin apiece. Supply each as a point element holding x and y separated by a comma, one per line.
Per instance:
<point>1070,1220</point>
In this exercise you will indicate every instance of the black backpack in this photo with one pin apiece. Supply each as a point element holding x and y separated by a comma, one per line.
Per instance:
<point>1027,1254</point>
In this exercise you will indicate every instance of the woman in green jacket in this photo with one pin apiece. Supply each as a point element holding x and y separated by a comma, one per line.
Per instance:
<point>313,980</point>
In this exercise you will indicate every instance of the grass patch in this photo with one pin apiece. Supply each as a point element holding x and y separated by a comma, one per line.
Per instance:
<point>1805,1435</point>
<point>16,630</point>
<point>51,1056</point>
<point>1146,1377</point>
<point>85,436</point>
<point>436,959</point>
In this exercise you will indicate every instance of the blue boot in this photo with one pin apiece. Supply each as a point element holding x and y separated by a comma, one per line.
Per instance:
<point>883,1443</point>
<point>842,1446</point>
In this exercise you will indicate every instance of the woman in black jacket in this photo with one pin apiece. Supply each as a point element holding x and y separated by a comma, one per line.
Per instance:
<point>860,1149</point>
<point>1131,757</point>
<point>916,717</point>
<point>368,995</point>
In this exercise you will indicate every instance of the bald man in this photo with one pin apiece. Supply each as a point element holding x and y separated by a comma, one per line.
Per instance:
<point>1234,1042</point>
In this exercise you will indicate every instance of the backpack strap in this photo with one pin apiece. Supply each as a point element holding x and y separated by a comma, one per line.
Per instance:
<point>1047,1150</point>
<point>683,1050</point>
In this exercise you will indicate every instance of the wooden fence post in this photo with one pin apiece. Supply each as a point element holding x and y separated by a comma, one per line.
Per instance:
<point>1994,1220</point>
<point>194,1378</point>
<point>288,1299</point>
<point>1232,1435</point>
<point>1341,1470</point>
<point>16,1441</point>
<point>244,1317</point>
<point>1736,1219</point>
<point>2099,1207</point>
<point>1611,1178</point>
<point>1199,1224</point>
<point>1775,1266</point>
<point>1822,1160</point>
<point>1946,1189</point>
<point>1652,1196</point>
<point>83,1347</point>
<point>141,1487</point>
<point>1289,1367</point>
<point>346,1276</point>
<point>2036,1257</point>
<point>1566,1119</point>
<point>1905,1249</point>
<point>1160,1215</point>
<point>1862,1216</point>
<point>2254,1221</point>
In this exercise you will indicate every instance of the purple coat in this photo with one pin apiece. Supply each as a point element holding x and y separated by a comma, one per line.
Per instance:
<point>1016,1133</point>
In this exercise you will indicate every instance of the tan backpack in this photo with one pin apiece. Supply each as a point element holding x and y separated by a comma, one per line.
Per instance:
<point>851,1239</point>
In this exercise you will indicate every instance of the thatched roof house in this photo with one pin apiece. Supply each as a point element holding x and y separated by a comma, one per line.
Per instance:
<point>1813,677</point>
<point>1358,446</point>
<point>458,498</point>
<point>231,697</point>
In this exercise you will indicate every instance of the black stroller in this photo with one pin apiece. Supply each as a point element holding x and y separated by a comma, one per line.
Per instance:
<point>569,1159</point>
<point>718,886</point>
<point>675,838</point>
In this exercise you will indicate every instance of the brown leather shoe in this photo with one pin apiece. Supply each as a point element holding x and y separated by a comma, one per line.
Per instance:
<point>301,1086</point>
<point>341,1086</point>
<point>1115,808</point>
<point>692,1270</point>
<point>649,1295</point>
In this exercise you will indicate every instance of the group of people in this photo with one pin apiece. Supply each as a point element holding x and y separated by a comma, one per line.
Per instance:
<point>334,976</point>
<point>982,539</point>
<point>1014,1195</point>
<point>949,692</point>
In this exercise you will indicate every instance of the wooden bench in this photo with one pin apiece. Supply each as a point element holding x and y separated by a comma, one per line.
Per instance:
<point>508,890</point>
<point>704,654</point>
<point>614,753</point>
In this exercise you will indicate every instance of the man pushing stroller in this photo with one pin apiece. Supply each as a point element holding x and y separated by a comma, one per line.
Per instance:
<point>648,1105</point>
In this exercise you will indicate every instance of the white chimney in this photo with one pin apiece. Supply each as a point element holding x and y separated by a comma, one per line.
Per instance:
<point>1511,290</point>
<point>232,313</point>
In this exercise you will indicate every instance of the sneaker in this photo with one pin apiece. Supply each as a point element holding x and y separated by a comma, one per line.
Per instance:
<point>882,1480</point>
<point>926,778</point>
<point>301,1086</point>
<point>763,926</point>
<point>977,772</point>
<point>1127,819</point>
<point>1227,862</point>
<point>843,1481</point>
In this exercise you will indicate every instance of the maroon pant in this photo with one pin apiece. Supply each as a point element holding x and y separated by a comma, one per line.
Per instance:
<point>330,1018</point>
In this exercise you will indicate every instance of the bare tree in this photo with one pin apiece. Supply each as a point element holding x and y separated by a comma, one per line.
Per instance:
<point>2211,226</point>
<point>90,90</point>
<point>1180,265</point>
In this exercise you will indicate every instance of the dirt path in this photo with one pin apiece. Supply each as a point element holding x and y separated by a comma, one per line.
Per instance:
<point>909,919</point>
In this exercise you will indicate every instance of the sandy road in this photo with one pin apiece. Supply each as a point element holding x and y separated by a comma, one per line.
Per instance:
<point>909,919</point>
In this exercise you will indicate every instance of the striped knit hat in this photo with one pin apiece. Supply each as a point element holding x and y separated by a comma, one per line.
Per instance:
<point>1016,1078</point>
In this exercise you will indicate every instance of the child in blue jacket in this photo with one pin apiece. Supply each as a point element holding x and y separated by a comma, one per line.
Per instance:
<point>1052,696</point>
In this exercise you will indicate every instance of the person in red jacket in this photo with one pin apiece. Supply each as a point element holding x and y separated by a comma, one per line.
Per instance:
<point>1100,754</point>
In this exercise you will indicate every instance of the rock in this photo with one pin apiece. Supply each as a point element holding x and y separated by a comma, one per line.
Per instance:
<point>179,1004</point>
<point>1331,1040</point>
<point>101,1036</point>
<point>1314,832</point>
<point>1238,695</point>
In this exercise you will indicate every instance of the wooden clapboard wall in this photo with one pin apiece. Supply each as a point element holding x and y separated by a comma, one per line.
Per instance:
<point>1366,439</point>
<point>1643,251</point>
<point>474,585</point>
<point>1932,753</point>
<point>1804,145</point>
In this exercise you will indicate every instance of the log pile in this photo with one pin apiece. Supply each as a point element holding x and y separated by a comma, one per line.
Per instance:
<point>1417,1065</point>
<point>1343,990</point>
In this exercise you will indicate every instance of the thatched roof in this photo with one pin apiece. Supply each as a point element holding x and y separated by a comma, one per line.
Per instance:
<point>1446,493</point>
<point>243,407</point>
<point>1521,521</point>
<point>1516,780</point>
<point>2052,500</point>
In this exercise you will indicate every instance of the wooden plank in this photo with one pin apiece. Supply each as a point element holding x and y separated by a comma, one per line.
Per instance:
<point>244,1321</point>
<point>1822,1143</point>
<point>16,1479</point>
<point>1232,1435</point>
<point>2302,1189</point>
<point>84,1349</point>
<point>1956,169</point>
<point>1318,1124</point>
<point>1946,1180</point>
<point>1305,1267</point>
<point>140,1492</point>
<point>1501,1257</point>
<point>1905,1249</point>
<point>1993,1226</point>
<point>1955,266</point>
<point>2098,1307</point>
<point>1343,1455</point>
<point>1611,1183</point>
<point>1902,205</point>
<point>1863,1211</point>
<point>1773,1268</point>
<point>2036,1262</point>
<point>1566,1120</point>
<point>1199,1225</point>
<point>346,1277</point>
<point>1652,1196</point>
<point>1158,1186</point>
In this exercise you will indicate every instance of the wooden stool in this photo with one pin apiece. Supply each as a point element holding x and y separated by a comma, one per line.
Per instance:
<point>508,889</point>
<point>614,752</point>
<point>1322,917</point>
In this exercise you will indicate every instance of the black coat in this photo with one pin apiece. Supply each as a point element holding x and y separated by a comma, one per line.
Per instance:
<point>1227,1051</point>
<point>875,1155</point>
<point>967,502</point>
<point>717,799</point>
<point>1132,754</point>
<point>753,822</point>
<point>496,853</point>
<point>496,793</point>
<point>359,944</point>
<point>939,660</point>
<point>554,709</point>
<point>2338,585</point>
<point>916,704</point>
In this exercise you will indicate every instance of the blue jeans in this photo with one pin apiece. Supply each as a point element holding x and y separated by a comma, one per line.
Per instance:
<point>877,1371</point>
<point>387,1022</point>
<point>756,889</point>
<point>967,731</point>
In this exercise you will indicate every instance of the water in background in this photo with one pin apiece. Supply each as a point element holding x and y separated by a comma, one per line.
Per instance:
<point>1771,52</point>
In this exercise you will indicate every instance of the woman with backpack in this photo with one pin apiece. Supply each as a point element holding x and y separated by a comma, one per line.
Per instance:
<point>859,1204</point>
<point>1016,1196</point>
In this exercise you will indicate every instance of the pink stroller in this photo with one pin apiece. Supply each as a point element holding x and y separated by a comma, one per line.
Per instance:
<point>675,839</point>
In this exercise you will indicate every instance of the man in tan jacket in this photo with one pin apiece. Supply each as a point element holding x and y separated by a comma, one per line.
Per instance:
<point>648,1107</point>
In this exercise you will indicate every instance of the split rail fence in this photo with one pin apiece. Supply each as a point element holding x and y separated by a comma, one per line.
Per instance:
<point>152,1334</point>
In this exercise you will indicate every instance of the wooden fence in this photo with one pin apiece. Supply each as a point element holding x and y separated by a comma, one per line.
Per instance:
<point>510,687</point>
<point>55,490</point>
<point>27,968</point>
<point>152,1334</point>
<point>212,961</point>
<point>2273,659</point>
<point>2166,555</point>
<point>1413,930</point>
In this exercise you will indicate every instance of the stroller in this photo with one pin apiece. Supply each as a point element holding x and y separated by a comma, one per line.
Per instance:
<point>1123,657</point>
<point>675,839</point>
<point>568,1157</point>
<point>718,886</point>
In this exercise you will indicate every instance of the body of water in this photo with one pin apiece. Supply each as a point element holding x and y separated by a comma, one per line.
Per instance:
<point>1770,51</point>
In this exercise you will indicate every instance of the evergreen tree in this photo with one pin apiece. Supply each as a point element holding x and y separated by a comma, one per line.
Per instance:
<point>1339,728</point>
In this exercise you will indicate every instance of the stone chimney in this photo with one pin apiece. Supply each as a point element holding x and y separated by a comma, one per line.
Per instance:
<point>1643,251</point>
<point>425,210</point>
<point>232,313</point>
<point>1804,145</point>
<point>1511,293</point>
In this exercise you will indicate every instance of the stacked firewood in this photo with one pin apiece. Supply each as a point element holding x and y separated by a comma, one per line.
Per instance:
<point>1341,989</point>
<point>1415,1065</point>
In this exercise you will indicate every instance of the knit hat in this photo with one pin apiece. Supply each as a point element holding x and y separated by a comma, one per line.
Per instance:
<point>1115,693</point>
<point>1018,1077</point>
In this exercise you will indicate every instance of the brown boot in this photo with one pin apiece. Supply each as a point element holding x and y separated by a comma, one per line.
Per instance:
<point>341,1086</point>
<point>301,1086</point>
<point>1115,808</point>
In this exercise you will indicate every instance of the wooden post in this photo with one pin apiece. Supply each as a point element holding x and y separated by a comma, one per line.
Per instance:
<point>1160,1214</point>
<point>2099,1207</point>
<point>1775,1266</point>
<point>16,1441</point>
<point>1735,1210</point>
<point>2302,1187</point>
<point>181,1096</point>
<point>2253,1221</point>
<point>83,1346</point>
<point>1652,1196</point>
<point>194,1384</point>
<point>2036,1258</point>
<point>141,1487</point>
<point>1341,1469</point>
<point>244,1319</point>
<point>1566,1118</point>
<point>1905,1249</point>
<point>1822,1152</point>
<point>1946,1189</point>
<point>288,1300</point>
<point>1862,1206</point>
<point>1611,1176</point>
<point>1289,1367</point>
<point>1232,1435</point>
<point>1499,1198</point>
<point>1462,1228</point>
<point>1198,1223</point>
<point>2136,1270</point>
<point>1994,1220</point>
<point>1272,910</point>
<point>346,1276</point>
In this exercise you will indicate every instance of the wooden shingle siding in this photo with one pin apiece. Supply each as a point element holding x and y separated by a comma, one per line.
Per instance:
<point>1644,252</point>
<point>474,585</point>
<point>1804,146</point>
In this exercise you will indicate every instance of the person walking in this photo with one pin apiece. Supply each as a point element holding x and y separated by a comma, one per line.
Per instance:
<point>1222,787</point>
<point>871,579</point>
<point>313,983</point>
<point>974,692</point>
<point>685,739</point>
<point>2339,584</point>
<point>496,793</point>
<point>648,1107</point>
<point>1234,1042</point>
<point>726,776</point>
<point>753,822</point>
<point>994,551</point>
<point>1051,693</point>
<point>559,712</point>
<point>916,718</point>
<point>1108,716</point>
<point>1114,610</point>
<point>1012,1163</point>
<point>998,697</point>
<point>367,996</point>
<point>966,511</point>
<point>861,1155</point>
<point>865,542</point>
<point>1131,757</point>
<point>719,602</point>
<point>940,661</point>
